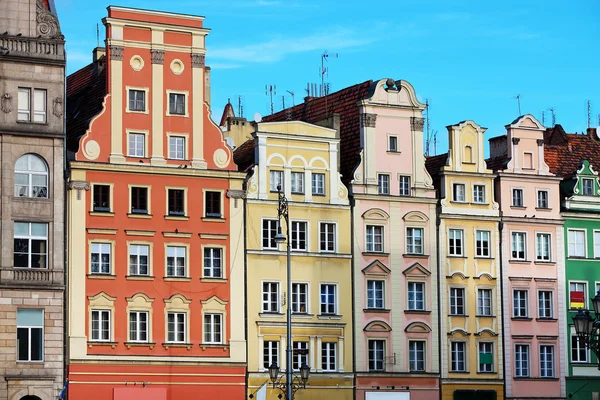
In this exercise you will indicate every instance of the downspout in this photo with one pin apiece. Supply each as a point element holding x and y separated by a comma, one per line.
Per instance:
<point>352,283</point>
<point>438,211</point>
<point>245,204</point>
<point>500,229</point>
<point>65,231</point>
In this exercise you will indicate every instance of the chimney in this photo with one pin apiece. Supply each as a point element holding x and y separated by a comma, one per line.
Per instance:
<point>97,53</point>
<point>207,85</point>
<point>593,133</point>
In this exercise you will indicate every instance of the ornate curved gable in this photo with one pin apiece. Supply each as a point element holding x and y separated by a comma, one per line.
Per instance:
<point>417,327</point>
<point>377,326</point>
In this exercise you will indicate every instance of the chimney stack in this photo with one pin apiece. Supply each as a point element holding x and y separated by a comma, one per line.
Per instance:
<point>97,53</point>
<point>593,133</point>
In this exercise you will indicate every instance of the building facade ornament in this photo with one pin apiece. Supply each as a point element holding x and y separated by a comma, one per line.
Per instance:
<point>57,107</point>
<point>6,103</point>
<point>516,140</point>
<point>417,123</point>
<point>540,142</point>
<point>79,186</point>
<point>198,60</point>
<point>47,23</point>
<point>368,120</point>
<point>116,53</point>
<point>158,56</point>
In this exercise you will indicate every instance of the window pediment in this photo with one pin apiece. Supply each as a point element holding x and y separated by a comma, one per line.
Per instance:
<point>377,326</point>
<point>376,268</point>
<point>376,214</point>
<point>417,327</point>
<point>415,216</point>
<point>214,304</point>
<point>416,270</point>
<point>102,300</point>
<point>177,302</point>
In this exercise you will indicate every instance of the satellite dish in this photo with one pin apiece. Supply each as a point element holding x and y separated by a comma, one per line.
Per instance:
<point>257,117</point>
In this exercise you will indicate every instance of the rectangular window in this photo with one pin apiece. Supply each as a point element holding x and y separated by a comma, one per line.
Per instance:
<point>484,302</point>
<point>327,237</point>
<point>300,355</point>
<point>375,238</point>
<point>24,105</point>
<point>139,200</point>
<point>416,355</point>
<point>138,259</point>
<point>177,103</point>
<point>25,112</point>
<point>318,184</point>
<point>177,147</point>
<point>458,192</point>
<point>458,357</point>
<point>329,356</point>
<point>543,247</point>
<point>100,258</point>
<point>520,306</point>
<point>597,244</point>
<point>176,327</point>
<point>270,353</point>
<point>375,294</point>
<point>383,183</point>
<point>576,243</point>
<point>393,144</point>
<point>482,243</point>
<point>101,325</point>
<point>479,194</point>
<point>517,197</point>
<point>414,240</point>
<point>416,296</point>
<point>270,301</point>
<point>542,199</point>
<point>30,245</point>
<point>213,205</point>
<point>486,357</point>
<point>518,246</point>
<point>545,304</point>
<point>176,265</point>
<point>457,301</point>
<point>176,202</point>
<point>404,185</point>
<point>269,230</point>
<point>299,236</point>
<point>522,360</point>
<point>527,160</point>
<point>587,186</point>
<point>579,351</point>
<point>39,105</point>
<point>298,182</point>
<point>276,180</point>
<point>136,145</point>
<point>213,262</point>
<point>300,298</point>
<point>137,100</point>
<point>455,242</point>
<point>577,295</point>
<point>30,335</point>
<point>328,299</point>
<point>101,198</point>
<point>138,326</point>
<point>213,328</point>
<point>547,361</point>
<point>376,355</point>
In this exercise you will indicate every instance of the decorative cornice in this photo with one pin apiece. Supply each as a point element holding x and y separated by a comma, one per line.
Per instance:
<point>416,124</point>
<point>116,53</point>
<point>516,140</point>
<point>368,120</point>
<point>78,185</point>
<point>198,60</point>
<point>158,56</point>
<point>236,194</point>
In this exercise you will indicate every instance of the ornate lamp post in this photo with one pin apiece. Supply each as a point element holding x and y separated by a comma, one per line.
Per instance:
<point>588,327</point>
<point>291,385</point>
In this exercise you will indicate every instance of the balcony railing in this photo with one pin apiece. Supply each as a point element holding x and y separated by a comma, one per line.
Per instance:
<point>18,46</point>
<point>30,276</point>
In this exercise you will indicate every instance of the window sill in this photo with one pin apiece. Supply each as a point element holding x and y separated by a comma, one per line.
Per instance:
<point>129,345</point>
<point>486,372</point>
<point>521,378</point>
<point>579,258</point>
<point>521,319</point>
<point>377,310</point>
<point>91,343</point>
<point>455,256</point>
<point>177,217</point>
<point>394,152</point>
<point>36,362</point>
<point>459,372</point>
<point>543,209</point>
<point>298,193</point>
<point>518,207</point>
<point>302,315</point>
<point>102,213</point>
<point>213,280</point>
<point>176,279</point>
<point>177,345</point>
<point>485,316</point>
<point>479,204</point>
<point>418,312</point>
<point>544,262</point>
<point>270,314</point>
<point>223,346</point>
<point>375,253</point>
<point>459,315</point>
<point>212,219</point>
<point>519,261</point>
<point>31,122</point>
<point>101,276</point>
<point>415,255</point>
<point>27,198</point>
<point>546,319</point>
<point>483,258</point>
<point>139,277</point>
<point>459,202</point>
<point>136,215</point>
<point>329,316</point>
<point>317,194</point>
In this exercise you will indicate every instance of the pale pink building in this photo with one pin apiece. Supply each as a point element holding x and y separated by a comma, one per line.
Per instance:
<point>533,277</point>
<point>395,288</point>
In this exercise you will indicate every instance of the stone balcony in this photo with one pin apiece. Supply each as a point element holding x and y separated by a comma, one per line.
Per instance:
<point>52,50</point>
<point>30,277</point>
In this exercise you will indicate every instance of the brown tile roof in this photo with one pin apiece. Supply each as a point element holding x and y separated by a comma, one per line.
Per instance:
<point>227,112</point>
<point>497,163</point>
<point>86,89</point>
<point>343,102</point>
<point>243,156</point>
<point>435,163</point>
<point>564,152</point>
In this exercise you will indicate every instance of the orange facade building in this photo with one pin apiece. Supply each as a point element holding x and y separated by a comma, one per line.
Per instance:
<point>155,220</point>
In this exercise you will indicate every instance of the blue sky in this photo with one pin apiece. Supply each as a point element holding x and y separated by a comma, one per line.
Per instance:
<point>468,58</point>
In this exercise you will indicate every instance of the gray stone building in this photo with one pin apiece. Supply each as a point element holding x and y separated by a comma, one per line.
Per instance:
<point>32,84</point>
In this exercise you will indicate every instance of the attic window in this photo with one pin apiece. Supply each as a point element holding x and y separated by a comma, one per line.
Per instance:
<point>468,154</point>
<point>587,186</point>
<point>528,161</point>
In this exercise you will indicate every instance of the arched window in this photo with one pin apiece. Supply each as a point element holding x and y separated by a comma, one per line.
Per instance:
<point>31,177</point>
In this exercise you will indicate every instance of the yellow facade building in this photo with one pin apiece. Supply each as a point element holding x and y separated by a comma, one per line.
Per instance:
<point>303,159</point>
<point>469,268</point>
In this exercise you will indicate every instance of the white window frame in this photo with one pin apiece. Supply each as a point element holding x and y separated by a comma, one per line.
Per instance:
<point>134,268</point>
<point>300,359</point>
<point>517,197</point>
<point>484,302</point>
<point>404,184</point>
<point>103,316</point>
<point>458,192</point>
<point>295,232</point>
<point>415,243</point>
<point>141,335</point>
<point>545,305</point>
<point>485,367</point>
<point>479,194</point>
<point>176,252</point>
<point>209,268</point>
<point>547,361</point>
<point>212,324</point>
<point>177,147</point>
<point>102,249</point>
<point>394,148</point>
<point>330,225</point>
<point>453,248</point>
<point>275,179</point>
<point>176,324</point>
<point>318,184</point>
<point>36,110</point>
<point>31,190</point>
<point>576,244</point>
<point>329,356</point>
<point>383,183</point>
<point>272,297</point>
<point>300,297</point>
<point>596,236</point>
<point>519,310</point>
<point>29,329</point>
<point>455,361</point>
<point>543,250</point>
<point>579,347</point>
<point>522,365</point>
<point>271,232</point>
<point>454,306</point>
<point>379,349</point>
<point>133,148</point>
<point>375,294</point>
<point>185,106</point>
<point>297,182</point>
<point>482,245</point>
<point>417,356</point>
<point>585,293</point>
<point>518,240</point>
<point>583,186</point>
<point>413,303</point>
<point>374,241</point>
<point>270,353</point>
<point>540,200</point>
<point>327,307</point>
<point>30,237</point>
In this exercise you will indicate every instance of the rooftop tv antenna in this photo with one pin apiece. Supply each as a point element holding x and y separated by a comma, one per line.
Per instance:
<point>283,102</point>
<point>271,90</point>
<point>292,94</point>
<point>552,110</point>
<point>428,137</point>
<point>97,36</point>
<point>589,109</point>
<point>325,71</point>
<point>518,97</point>
<point>240,107</point>
<point>544,118</point>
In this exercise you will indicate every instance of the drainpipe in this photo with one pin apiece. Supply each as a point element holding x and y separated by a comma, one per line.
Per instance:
<point>438,211</point>
<point>245,203</point>
<point>500,229</point>
<point>352,284</point>
<point>65,232</point>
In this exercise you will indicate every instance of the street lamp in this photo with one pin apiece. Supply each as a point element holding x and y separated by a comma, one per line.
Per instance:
<point>587,327</point>
<point>297,382</point>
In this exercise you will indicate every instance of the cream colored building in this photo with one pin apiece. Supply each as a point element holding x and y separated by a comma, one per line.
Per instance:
<point>304,159</point>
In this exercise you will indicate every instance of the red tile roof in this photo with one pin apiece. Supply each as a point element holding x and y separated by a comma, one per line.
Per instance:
<point>227,112</point>
<point>243,156</point>
<point>86,89</point>
<point>435,163</point>
<point>497,163</point>
<point>344,103</point>
<point>564,152</point>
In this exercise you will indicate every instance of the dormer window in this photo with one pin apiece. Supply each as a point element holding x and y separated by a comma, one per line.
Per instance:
<point>587,187</point>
